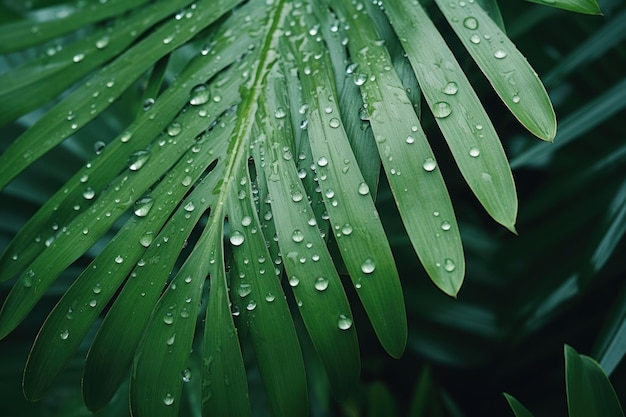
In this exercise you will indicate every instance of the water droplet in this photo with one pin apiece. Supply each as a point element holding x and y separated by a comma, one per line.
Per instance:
<point>470,23</point>
<point>168,318</point>
<point>147,105</point>
<point>445,226</point>
<point>346,229</point>
<point>368,266</point>
<point>451,88</point>
<point>363,189</point>
<point>269,297</point>
<point>93,303</point>
<point>350,69</point>
<point>500,53</point>
<point>516,99</point>
<point>146,239</point>
<point>251,305</point>
<point>64,334</point>
<point>429,164</point>
<point>78,57</point>
<point>125,136</point>
<point>280,113</point>
<point>168,399</point>
<point>103,42</point>
<point>244,290</point>
<point>449,265</point>
<point>474,152</point>
<point>97,289</point>
<point>441,109</point>
<point>410,139</point>
<point>189,207</point>
<point>344,322</point>
<point>334,123</point>
<point>174,129</point>
<point>475,39</point>
<point>321,283</point>
<point>236,238</point>
<point>98,147</point>
<point>119,259</point>
<point>199,95</point>
<point>322,161</point>
<point>294,281</point>
<point>360,79</point>
<point>297,236</point>
<point>485,176</point>
<point>137,159</point>
<point>186,375</point>
<point>89,193</point>
<point>143,206</point>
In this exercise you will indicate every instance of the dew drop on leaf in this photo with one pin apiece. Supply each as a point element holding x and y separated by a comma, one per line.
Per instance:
<point>251,305</point>
<point>445,226</point>
<point>168,399</point>
<point>168,318</point>
<point>334,123</point>
<point>451,88</point>
<point>344,322</point>
<point>368,266</point>
<point>199,95</point>
<point>294,281</point>
<point>174,129</point>
<point>186,375</point>
<point>269,297</point>
<point>143,206</point>
<point>146,239</point>
<point>89,193</point>
<point>475,39</point>
<point>280,113</point>
<point>244,290</point>
<point>470,23</point>
<point>119,259</point>
<point>137,159</point>
<point>236,238</point>
<point>474,152</point>
<point>500,54</point>
<point>321,283</point>
<point>363,189</point>
<point>449,265</point>
<point>441,109</point>
<point>322,161</point>
<point>297,236</point>
<point>64,334</point>
<point>429,165</point>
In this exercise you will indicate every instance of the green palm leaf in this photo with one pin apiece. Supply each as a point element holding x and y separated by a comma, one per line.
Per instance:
<point>259,142</point>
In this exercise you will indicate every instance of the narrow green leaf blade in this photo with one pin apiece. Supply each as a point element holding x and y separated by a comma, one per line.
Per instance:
<point>579,6</point>
<point>589,391</point>
<point>263,306</point>
<point>505,67</point>
<point>518,409</point>
<point>310,270</point>
<point>353,217</point>
<point>161,363</point>
<point>461,117</point>
<point>224,385</point>
<point>419,191</point>
<point>25,33</point>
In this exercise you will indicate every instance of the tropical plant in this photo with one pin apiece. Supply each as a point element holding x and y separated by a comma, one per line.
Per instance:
<point>243,141</point>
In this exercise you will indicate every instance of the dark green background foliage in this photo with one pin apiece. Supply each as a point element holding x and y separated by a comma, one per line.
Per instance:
<point>559,281</point>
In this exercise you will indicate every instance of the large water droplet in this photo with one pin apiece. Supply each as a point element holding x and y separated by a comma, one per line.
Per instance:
<point>168,399</point>
<point>449,265</point>
<point>368,266</point>
<point>280,113</point>
<point>64,334</point>
<point>199,95</point>
<point>363,189</point>
<point>103,42</point>
<point>99,146</point>
<point>297,236</point>
<point>251,305</point>
<point>474,152</point>
<point>429,164</point>
<point>321,283</point>
<point>441,109</point>
<point>244,290</point>
<point>168,318</point>
<point>89,193</point>
<point>137,159</point>
<point>344,322</point>
<point>346,229</point>
<point>294,281</point>
<point>143,206</point>
<point>269,297</point>
<point>119,259</point>
<point>186,374</point>
<point>500,53</point>
<point>323,161</point>
<point>174,129</point>
<point>445,226</point>
<point>334,123</point>
<point>470,23</point>
<point>451,88</point>
<point>475,39</point>
<point>360,79</point>
<point>236,238</point>
<point>146,239</point>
